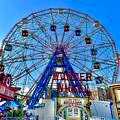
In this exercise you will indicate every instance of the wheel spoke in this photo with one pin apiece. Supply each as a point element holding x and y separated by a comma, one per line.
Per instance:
<point>29,46</point>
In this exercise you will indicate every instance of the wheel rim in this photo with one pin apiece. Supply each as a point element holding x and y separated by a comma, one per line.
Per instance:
<point>30,52</point>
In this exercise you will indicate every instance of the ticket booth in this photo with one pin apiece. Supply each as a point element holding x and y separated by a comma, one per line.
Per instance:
<point>73,108</point>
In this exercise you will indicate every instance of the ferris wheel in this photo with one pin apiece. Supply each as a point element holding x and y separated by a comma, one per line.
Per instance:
<point>31,43</point>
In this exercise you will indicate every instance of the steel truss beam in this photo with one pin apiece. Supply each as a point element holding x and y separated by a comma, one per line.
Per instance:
<point>42,84</point>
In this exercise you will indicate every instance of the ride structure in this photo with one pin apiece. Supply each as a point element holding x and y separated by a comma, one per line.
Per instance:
<point>59,41</point>
<point>7,91</point>
<point>59,59</point>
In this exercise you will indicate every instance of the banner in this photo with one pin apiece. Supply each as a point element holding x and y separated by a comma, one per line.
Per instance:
<point>104,93</point>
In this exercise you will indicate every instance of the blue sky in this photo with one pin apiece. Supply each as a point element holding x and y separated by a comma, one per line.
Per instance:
<point>106,11</point>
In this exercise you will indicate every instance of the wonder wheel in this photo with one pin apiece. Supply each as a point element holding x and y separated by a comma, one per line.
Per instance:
<point>82,41</point>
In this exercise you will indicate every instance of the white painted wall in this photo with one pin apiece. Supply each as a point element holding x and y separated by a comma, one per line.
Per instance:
<point>47,112</point>
<point>101,109</point>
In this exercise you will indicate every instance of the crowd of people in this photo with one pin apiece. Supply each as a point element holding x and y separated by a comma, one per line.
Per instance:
<point>16,114</point>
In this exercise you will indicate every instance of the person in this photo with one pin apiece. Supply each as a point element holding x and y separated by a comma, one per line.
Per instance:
<point>24,115</point>
<point>28,115</point>
<point>5,113</point>
<point>14,114</point>
<point>1,115</point>
<point>19,113</point>
<point>37,117</point>
<point>10,114</point>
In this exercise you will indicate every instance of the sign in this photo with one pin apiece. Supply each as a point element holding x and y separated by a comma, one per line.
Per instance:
<point>69,108</point>
<point>69,76</point>
<point>6,92</point>
<point>94,94</point>
<point>71,88</point>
